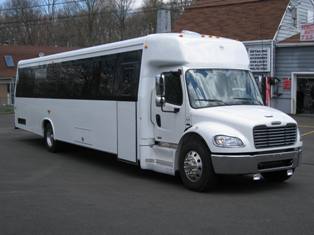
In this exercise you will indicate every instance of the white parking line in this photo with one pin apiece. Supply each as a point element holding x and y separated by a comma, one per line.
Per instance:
<point>306,126</point>
<point>307,133</point>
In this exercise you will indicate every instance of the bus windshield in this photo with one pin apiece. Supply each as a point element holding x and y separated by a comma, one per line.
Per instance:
<point>219,87</point>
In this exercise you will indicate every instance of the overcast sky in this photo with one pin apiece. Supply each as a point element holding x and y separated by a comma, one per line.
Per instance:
<point>137,3</point>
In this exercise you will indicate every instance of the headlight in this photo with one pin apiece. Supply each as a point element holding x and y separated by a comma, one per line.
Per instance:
<point>227,141</point>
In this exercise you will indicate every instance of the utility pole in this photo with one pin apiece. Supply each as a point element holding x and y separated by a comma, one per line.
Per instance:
<point>163,20</point>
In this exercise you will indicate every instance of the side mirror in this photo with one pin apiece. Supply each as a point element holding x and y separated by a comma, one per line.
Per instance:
<point>160,90</point>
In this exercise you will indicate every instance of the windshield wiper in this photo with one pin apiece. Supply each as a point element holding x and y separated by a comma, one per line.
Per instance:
<point>242,98</point>
<point>210,100</point>
<point>245,98</point>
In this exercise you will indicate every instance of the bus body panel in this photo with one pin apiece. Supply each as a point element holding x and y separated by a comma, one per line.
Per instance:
<point>127,138</point>
<point>88,123</point>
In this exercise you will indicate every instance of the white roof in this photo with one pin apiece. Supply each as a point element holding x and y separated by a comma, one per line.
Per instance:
<point>165,49</point>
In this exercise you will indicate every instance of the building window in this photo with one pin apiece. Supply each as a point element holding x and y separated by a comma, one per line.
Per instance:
<point>310,16</point>
<point>9,61</point>
<point>294,13</point>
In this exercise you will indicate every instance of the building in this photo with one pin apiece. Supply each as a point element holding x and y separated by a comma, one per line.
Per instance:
<point>270,29</point>
<point>9,57</point>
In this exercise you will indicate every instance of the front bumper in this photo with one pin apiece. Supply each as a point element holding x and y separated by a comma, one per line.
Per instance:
<point>257,162</point>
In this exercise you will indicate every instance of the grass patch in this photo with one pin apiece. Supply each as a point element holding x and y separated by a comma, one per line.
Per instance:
<point>6,109</point>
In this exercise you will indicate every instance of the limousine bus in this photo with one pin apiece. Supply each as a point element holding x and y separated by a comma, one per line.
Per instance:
<point>177,103</point>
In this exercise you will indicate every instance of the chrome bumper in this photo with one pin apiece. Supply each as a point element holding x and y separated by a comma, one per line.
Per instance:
<point>256,163</point>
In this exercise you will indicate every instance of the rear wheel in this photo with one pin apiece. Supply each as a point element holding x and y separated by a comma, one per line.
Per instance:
<point>196,170</point>
<point>277,176</point>
<point>49,138</point>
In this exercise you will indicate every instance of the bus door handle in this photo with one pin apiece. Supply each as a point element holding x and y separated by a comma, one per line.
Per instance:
<point>158,120</point>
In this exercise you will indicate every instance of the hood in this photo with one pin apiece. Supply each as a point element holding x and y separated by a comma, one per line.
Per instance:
<point>242,115</point>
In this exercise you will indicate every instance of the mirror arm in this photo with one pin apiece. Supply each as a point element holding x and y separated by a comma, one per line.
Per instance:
<point>175,110</point>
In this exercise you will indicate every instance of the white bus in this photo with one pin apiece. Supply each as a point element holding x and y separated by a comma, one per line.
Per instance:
<point>172,103</point>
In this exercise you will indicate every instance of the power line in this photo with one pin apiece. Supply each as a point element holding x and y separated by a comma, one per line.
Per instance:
<point>81,1</point>
<point>41,5</point>
<point>45,21</point>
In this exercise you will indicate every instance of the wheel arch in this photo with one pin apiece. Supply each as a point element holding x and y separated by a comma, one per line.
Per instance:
<point>44,123</point>
<point>184,138</point>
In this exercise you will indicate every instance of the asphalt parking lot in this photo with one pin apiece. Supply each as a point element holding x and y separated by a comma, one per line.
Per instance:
<point>81,191</point>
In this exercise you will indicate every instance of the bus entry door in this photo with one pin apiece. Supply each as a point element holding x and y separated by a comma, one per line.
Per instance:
<point>126,111</point>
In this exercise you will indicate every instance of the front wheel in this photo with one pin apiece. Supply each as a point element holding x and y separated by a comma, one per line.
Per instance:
<point>277,176</point>
<point>195,165</point>
<point>49,139</point>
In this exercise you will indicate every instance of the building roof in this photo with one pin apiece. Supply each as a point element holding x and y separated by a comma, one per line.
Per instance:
<point>244,20</point>
<point>23,52</point>
<point>293,39</point>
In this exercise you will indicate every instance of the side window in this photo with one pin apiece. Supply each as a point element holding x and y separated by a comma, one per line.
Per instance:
<point>106,77</point>
<point>51,86</point>
<point>40,74</point>
<point>173,88</point>
<point>78,73</point>
<point>128,81</point>
<point>128,75</point>
<point>64,83</point>
<point>25,85</point>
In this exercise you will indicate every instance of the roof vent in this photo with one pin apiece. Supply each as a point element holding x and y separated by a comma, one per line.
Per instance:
<point>187,32</point>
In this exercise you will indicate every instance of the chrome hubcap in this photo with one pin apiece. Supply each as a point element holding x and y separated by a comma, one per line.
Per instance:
<point>193,166</point>
<point>49,138</point>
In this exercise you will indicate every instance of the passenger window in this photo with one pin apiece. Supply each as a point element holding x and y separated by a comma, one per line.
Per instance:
<point>128,81</point>
<point>25,86</point>
<point>109,77</point>
<point>41,82</point>
<point>106,77</point>
<point>65,80</point>
<point>173,89</point>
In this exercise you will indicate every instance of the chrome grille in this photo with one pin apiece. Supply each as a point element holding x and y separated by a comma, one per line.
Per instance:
<point>269,137</point>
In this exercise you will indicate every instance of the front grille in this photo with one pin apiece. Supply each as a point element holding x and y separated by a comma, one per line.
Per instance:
<point>275,164</point>
<point>269,137</point>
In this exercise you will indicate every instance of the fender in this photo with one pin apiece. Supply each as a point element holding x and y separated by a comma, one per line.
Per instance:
<point>47,119</point>
<point>206,131</point>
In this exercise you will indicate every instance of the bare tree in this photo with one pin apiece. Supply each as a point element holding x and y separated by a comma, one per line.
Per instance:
<point>50,13</point>
<point>121,10</point>
<point>77,23</point>
<point>150,8</point>
<point>21,20</point>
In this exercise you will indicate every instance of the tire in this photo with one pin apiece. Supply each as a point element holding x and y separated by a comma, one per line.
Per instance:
<point>195,166</point>
<point>277,176</point>
<point>50,142</point>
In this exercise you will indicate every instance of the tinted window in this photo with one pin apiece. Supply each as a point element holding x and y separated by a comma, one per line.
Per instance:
<point>25,84</point>
<point>41,82</point>
<point>99,78</point>
<point>173,93</point>
<point>107,76</point>
<point>128,81</point>
<point>128,76</point>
